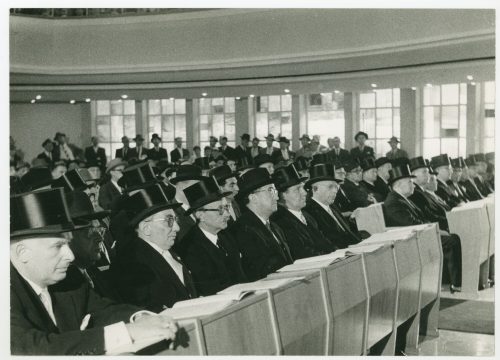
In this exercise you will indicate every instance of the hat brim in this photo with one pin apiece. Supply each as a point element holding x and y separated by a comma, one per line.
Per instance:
<point>150,211</point>
<point>392,181</point>
<point>290,184</point>
<point>176,179</point>
<point>207,200</point>
<point>140,186</point>
<point>251,189</point>
<point>98,215</point>
<point>51,229</point>
<point>418,167</point>
<point>309,183</point>
<point>124,163</point>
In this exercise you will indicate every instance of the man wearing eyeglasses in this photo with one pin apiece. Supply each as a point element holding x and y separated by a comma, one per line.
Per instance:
<point>228,182</point>
<point>356,195</point>
<point>261,241</point>
<point>211,253</point>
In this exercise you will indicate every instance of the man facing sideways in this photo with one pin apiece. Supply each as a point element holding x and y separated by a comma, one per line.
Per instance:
<point>269,149</point>
<point>335,152</point>
<point>382,183</point>
<point>179,153</point>
<point>46,154</point>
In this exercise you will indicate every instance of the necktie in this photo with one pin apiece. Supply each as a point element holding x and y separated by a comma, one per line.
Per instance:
<point>302,218</point>
<point>47,303</point>
<point>174,264</point>
<point>281,245</point>
<point>339,224</point>
<point>124,152</point>
<point>89,279</point>
<point>220,246</point>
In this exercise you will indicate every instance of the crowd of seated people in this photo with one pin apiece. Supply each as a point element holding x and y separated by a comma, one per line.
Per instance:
<point>151,228</point>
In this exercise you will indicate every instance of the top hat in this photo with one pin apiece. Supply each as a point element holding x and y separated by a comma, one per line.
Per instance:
<point>431,169</point>
<point>269,137</point>
<point>368,163</point>
<point>351,164</point>
<point>80,207</point>
<point>393,139</point>
<point>137,176</point>
<point>382,161</point>
<point>456,163</point>
<point>320,172</point>
<point>417,163</point>
<point>221,173</point>
<point>399,172</point>
<point>186,172</point>
<point>36,178</point>
<point>252,180</point>
<point>41,212</point>
<point>70,181</point>
<point>202,162</point>
<point>360,133</point>
<point>480,157</point>
<point>470,160</point>
<point>148,201</point>
<point>440,160</point>
<point>287,176</point>
<point>138,137</point>
<point>490,156</point>
<point>321,158</point>
<point>245,137</point>
<point>305,136</point>
<point>262,159</point>
<point>301,163</point>
<point>283,139</point>
<point>114,163</point>
<point>204,192</point>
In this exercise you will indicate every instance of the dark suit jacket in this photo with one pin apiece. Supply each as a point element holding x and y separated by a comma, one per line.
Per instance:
<point>471,191</point>
<point>102,282</point>
<point>371,189</point>
<point>398,212</point>
<point>342,157</point>
<point>434,211</point>
<point>399,153</point>
<point>264,150</point>
<point>175,156</point>
<point>482,187</point>
<point>277,156</point>
<point>131,153</point>
<point>341,236</point>
<point>261,253</point>
<point>96,159</point>
<point>108,194</point>
<point>228,152</point>
<point>382,187</point>
<point>44,156</point>
<point>240,153</point>
<point>457,189</point>
<point>447,194</point>
<point>213,268</point>
<point>342,202</point>
<point>32,332</point>
<point>145,278</point>
<point>357,196</point>
<point>185,223</point>
<point>303,240</point>
<point>155,155</point>
<point>368,151</point>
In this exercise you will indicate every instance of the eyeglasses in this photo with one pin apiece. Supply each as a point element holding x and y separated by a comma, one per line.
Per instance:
<point>271,190</point>
<point>221,209</point>
<point>169,220</point>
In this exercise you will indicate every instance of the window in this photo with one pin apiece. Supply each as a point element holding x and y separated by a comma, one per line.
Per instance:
<point>325,116</point>
<point>114,119</point>
<point>379,118</point>
<point>273,116</point>
<point>444,120</point>
<point>217,118</point>
<point>489,116</point>
<point>167,118</point>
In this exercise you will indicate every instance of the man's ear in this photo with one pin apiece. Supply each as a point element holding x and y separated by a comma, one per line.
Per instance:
<point>22,251</point>
<point>145,228</point>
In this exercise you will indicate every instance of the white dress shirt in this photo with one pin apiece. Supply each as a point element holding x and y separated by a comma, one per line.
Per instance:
<point>174,264</point>
<point>299,215</point>
<point>66,153</point>
<point>212,237</point>
<point>285,155</point>
<point>329,211</point>
<point>118,187</point>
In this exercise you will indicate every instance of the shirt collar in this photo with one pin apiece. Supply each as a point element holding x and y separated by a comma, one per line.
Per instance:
<point>297,214</point>
<point>326,208</point>
<point>154,246</point>
<point>36,288</point>
<point>118,187</point>
<point>212,237</point>
<point>260,218</point>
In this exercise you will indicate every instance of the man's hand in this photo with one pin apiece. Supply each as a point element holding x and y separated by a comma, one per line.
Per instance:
<point>153,326</point>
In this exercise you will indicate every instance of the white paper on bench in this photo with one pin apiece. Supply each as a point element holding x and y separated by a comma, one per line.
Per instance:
<point>470,205</point>
<point>260,285</point>
<point>136,346</point>
<point>338,254</point>
<point>394,235</point>
<point>360,248</point>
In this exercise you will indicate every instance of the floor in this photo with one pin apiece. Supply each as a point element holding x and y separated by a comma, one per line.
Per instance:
<point>455,343</point>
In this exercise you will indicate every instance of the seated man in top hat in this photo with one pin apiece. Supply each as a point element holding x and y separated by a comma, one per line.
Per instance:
<point>212,254</point>
<point>467,179</point>
<point>356,195</point>
<point>302,164</point>
<point>370,175</point>
<point>261,242</point>
<point>301,230</point>
<point>361,150</point>
<point>96,155</point>
<point>139,147</point>
<point>441,164</point>
<point>228,183</point>
<point>148,272</point>
<point>204,164</point>
<point>157,153</point>
<point>456,175</point>
<point>383,165</point>
<point>264,161</point>
<point>323,187</point>
<point>49,316</point>
<point>399,210</point>
<point>481,167</point>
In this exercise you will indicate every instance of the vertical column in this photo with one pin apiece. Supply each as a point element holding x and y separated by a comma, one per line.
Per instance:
<point>193,106</point>
<point>141,121</point>
<point>351,119</point>
<point>89,122</point>
<point>189,124</point>
<point>298,120</point>
<point>410,124</point>
<point>474,119</point>
<point>242,110</point>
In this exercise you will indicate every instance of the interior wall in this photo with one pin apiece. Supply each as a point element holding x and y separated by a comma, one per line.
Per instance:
<point>31,124</point>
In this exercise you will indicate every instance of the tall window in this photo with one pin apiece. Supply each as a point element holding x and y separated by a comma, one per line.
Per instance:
<point>325,116</point>
<point>489,116</point>
<point>445,120</point>
<point>217,118</point>
<point>274,116</point>
<point>379,117</point>
<point>114,119</point>
<point>167,118</point>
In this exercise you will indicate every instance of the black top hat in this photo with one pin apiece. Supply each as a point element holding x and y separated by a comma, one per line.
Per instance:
<point>87,176</point>
<point>431,169</point>
<point>382,161</point>
<point>470,160</point>
<point>137,176</point>
<point>490,156</point>
<point>305,136</point>
<point>417,163</point>
<point>320,172</point>
<point>148,201</point>
<point>480,157</point>
<point>368,163</point>
<point>245,137</point>
<point>399,172</point>
<point>287,176</point>
<point>351,164</point>
<point>360,133</point>
<point>320,159</point>
<point>186,172</point>
<point>70,181</point>
<point>252,180</point>
<point>40,212</point>
<point>301,163</point>
<point>456,163</point>
<point>262,159</point>
<point>221,173</point>
<point>155,136</point>
<point>80,207</point>
<point>400,162</point>
<point>202,162</point>
<point>204,192</point>
<point>440,160</point>
<point>138,137</point>
<point>36,178</point>
<point>283,139</point>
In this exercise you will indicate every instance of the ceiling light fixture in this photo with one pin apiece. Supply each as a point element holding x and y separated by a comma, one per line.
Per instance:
<point>204,94</point>
<point>414,88</point>
<point>38,97</point>
<point>336,91</point>
<point>287,90</point>
<point>172,98</point>
<point>470,77</point>
<point>87,100</point>
<point>124,96</point>
<point>237,98</point>
<point>72,101</point>
<point>473,83</point>
<point>428,85</point>
<point>251,95</point>
<point>33,101</point>
<point>374,85</point>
